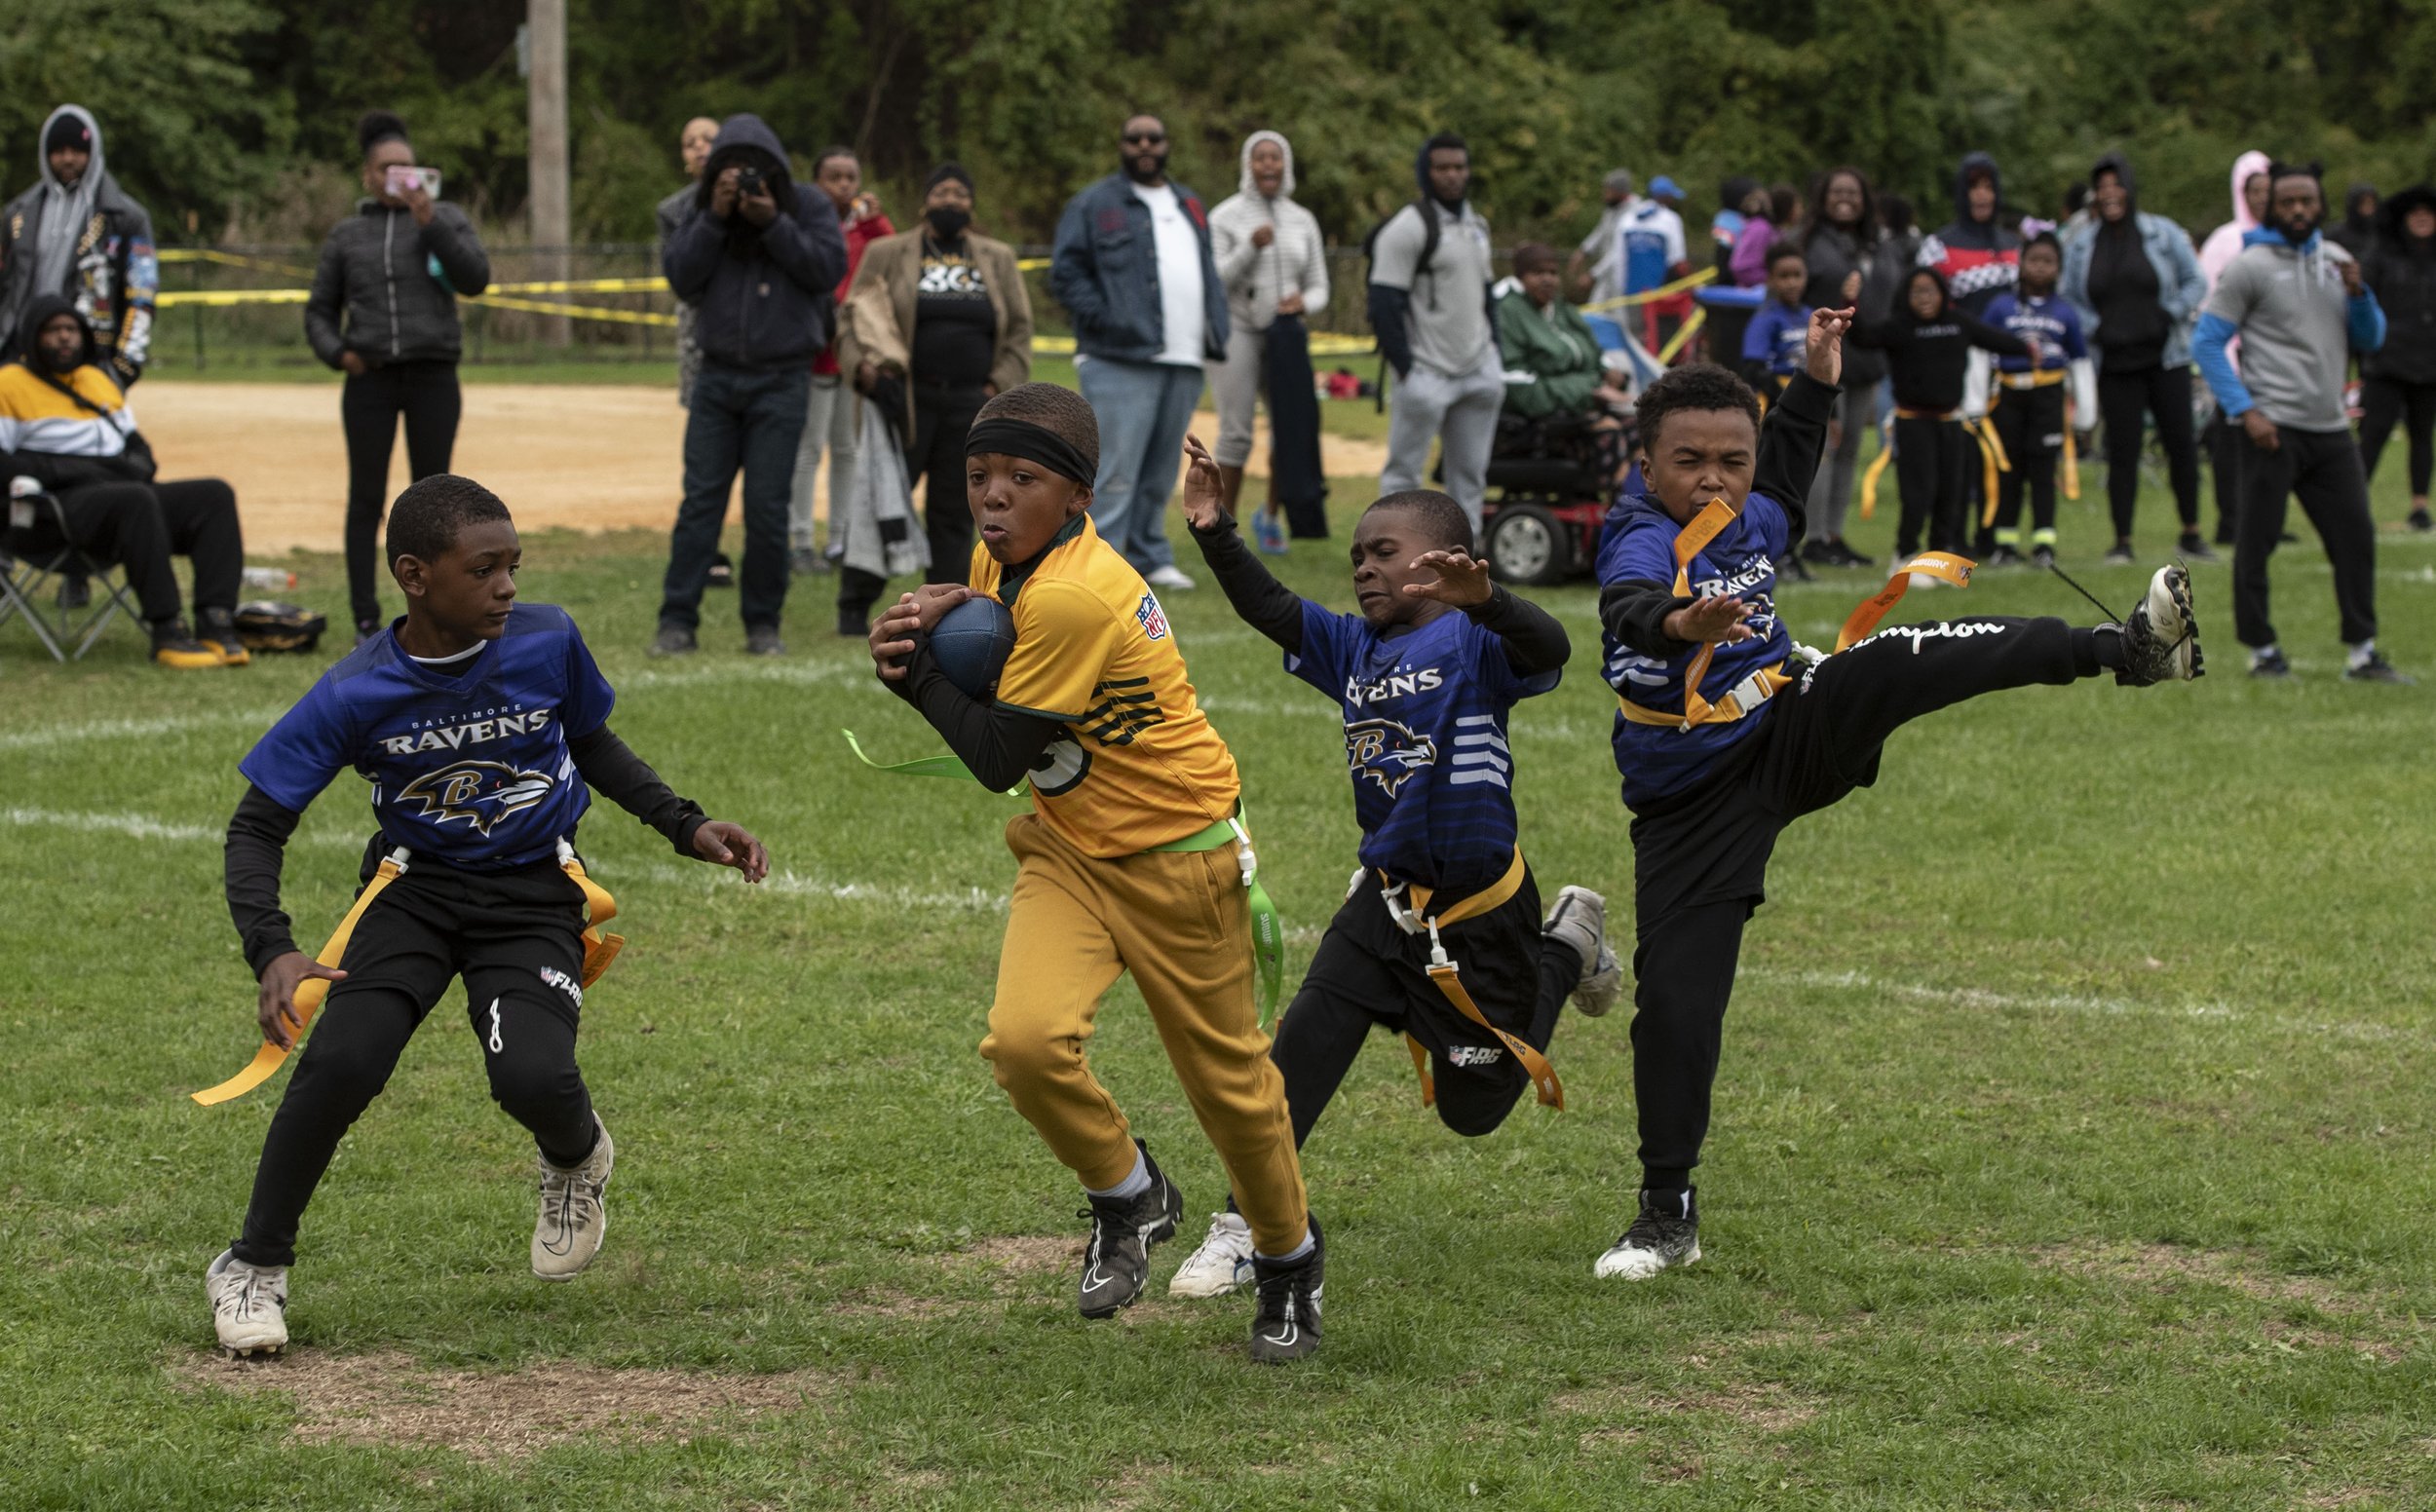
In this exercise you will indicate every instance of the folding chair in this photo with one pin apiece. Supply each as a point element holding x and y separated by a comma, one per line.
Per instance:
<point>35,553</point>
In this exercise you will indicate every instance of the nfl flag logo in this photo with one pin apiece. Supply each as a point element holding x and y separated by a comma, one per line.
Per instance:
<point>1153,622</point>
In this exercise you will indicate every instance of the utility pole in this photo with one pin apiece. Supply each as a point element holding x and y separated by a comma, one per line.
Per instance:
<point>546,92</point>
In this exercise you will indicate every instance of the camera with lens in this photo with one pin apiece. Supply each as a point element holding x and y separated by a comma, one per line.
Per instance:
<point>748,181</point>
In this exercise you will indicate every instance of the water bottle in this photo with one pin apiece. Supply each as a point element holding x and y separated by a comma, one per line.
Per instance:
<point>272,579</point>
<point>1269,531</point>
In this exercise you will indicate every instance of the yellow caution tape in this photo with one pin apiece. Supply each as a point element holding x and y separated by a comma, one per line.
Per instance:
<point>188,254</point>
<point>1653,296</point>
<point>1667,354</point>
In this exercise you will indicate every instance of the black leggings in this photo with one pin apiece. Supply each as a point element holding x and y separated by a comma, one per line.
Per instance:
<point>2030,423</point>
<point>1933,467</point>
<point>2122,399</point>
<point>515,938</point>
<point>140,526</point>
<point>1699,857</point>
<point>369,408</point>
<point>2383,403</point>
<point>936,453</point>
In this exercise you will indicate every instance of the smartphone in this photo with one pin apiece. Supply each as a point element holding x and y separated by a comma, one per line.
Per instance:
<point>402,176</point>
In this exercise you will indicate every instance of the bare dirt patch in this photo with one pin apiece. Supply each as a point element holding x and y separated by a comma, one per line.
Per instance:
<point>390,1398</point>
<point>1019,1255</point>
<point>1765,1406</point>
<point>2167,1264</point>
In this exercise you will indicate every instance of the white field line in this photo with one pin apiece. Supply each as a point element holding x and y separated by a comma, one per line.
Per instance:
<point>131,728</point>
<point>1984,1000</point>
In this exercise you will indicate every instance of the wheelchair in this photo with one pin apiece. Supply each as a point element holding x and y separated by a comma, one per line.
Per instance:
<point>1541,520</point>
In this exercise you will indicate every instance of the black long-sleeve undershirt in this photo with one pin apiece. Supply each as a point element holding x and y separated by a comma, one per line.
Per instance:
<point>998,744</point>
<point>1534,642</point>
<point>261,827</point>
<point>1929,360</point>
<point>1791,440</point>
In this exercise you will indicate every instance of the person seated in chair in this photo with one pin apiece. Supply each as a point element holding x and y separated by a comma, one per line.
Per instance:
<point>65,425</point>
<point>1556,379</point>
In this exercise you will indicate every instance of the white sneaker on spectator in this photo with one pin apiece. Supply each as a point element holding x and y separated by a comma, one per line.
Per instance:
<point>1170,577</point>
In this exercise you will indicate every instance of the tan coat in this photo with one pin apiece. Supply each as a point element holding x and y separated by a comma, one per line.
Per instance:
<point>878,321</point>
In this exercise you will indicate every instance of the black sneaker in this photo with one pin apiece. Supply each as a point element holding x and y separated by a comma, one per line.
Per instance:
<point>853,624</point>
<point>673,640</point>
<point>2195,548</point>
<point>1820,553</point>
<point>217,629</point>
<point>2161,639</point>
<point>2042,557</point>
<point>1287,1325</point>
<point>722,574</point>
<point>173,646</point>
<point>1790,568</point>
<point>2269,663</point>
<point>1664,1235</point>
<point>763,640</point>
<point>2118,553</point>
<point>1116,1262</point>
<point>365,629</point>
<point>2421,521</point>
<point>2377,670</point>
<point>2004,557</point>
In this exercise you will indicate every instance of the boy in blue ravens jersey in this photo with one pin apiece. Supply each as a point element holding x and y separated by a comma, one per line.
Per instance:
<point>1726,732</point>
<point>481,725</point>
<point>2028,411</point>
<point>1425,675</point>
<point>1771,344</point>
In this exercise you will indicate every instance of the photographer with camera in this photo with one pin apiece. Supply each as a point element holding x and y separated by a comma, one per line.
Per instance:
<point>383,310</point>
<point>758,259</point>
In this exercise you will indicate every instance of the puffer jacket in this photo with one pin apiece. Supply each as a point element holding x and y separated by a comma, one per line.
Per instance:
<point>2400,269</point>
<point>386,289</point>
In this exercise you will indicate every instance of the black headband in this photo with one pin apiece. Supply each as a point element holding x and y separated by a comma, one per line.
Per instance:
<point>1023,439</point>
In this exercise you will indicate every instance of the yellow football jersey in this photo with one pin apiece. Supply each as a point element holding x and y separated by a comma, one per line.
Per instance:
<point>1139,764</point>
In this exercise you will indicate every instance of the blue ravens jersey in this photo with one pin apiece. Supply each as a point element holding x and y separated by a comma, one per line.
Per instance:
<point>1638,544</point>
<point>1425,740</point>
<point>2053,322</point>
<point>469,764</point>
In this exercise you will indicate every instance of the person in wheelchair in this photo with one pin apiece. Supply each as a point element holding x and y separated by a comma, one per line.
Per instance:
<point>1559,400</point>
<point>66,427</point>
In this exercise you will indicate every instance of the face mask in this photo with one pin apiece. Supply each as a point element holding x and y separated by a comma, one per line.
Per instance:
<point>947,222</point>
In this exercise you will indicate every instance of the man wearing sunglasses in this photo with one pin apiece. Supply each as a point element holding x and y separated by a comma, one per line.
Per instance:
<point>1132,266</point>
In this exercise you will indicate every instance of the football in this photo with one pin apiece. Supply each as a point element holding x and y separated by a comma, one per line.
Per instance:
<point>971,642</point>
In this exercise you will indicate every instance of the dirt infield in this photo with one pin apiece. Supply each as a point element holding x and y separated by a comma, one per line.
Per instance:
<point>589,457</point>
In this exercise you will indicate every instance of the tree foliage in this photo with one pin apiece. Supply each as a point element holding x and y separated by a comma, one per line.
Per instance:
<point>208,103</point>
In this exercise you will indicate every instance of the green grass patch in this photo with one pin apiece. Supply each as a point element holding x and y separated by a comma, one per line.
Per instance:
<point>2070,1147</point>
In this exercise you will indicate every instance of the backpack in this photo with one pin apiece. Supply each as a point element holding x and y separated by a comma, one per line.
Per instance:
<point>1422,269</point>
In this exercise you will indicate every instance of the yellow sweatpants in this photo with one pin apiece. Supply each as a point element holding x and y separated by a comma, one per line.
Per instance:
<point>1180,921</point>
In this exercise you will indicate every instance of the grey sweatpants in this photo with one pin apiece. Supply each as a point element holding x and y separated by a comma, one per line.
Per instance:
<point>829,422</point>
<point>1460,409</point>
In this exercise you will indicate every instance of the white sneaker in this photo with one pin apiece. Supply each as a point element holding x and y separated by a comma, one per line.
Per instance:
<point>1223,1262</point>
<point>1170,577</point>
<point>574,1217</point>
<point>1579,920</point>
<point>1664,1235</point>
<point>249,1304</point>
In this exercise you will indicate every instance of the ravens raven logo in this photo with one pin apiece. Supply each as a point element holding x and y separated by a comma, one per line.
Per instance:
<point>1386,752</point>
<point>481,793</point>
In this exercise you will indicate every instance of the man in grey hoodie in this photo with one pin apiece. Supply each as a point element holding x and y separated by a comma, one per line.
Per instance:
<point>76,233</point>
<point>1430,304</point>
<point>2298,304</point>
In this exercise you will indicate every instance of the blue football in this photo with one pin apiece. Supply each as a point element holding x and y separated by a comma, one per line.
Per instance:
<point>970,643</point>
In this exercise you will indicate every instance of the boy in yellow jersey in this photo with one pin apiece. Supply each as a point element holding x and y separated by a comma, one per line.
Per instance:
<point>1132,859</point>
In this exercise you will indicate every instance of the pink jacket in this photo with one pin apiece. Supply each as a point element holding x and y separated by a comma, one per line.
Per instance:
<point>2224,243</point>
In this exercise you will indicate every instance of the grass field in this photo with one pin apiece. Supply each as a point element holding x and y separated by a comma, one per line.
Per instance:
<point>2073,1140</point>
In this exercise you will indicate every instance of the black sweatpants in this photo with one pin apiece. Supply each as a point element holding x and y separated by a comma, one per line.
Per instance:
<point>1701,856</point>
<point>2386,401</point>
<point>517,939</point>
<point>2123,398</point>
<point>2323,467</point>
<point>936,453</point>
<point>140,526</point>
<point>1932,469</point>
<point>369,407</point>
<point>2030,423</point>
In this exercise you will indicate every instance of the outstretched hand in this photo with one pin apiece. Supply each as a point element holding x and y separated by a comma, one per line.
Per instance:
<point>1824,356</point>
<point>722,844</point>
<point>1205,495</point>
<point>1462,580</point>
<point>1717,619</point>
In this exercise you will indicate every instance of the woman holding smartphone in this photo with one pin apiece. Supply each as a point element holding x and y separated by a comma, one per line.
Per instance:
<point>384,312</point>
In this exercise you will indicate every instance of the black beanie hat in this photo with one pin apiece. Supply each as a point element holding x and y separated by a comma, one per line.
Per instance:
<point>946,171</point>
<point>66,131</point>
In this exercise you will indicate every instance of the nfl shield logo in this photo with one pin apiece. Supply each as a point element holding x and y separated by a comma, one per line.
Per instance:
<point>1153,622</point>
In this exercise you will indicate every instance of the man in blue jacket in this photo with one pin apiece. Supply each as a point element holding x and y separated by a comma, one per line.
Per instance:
<point>1132,266</point>
<point>757,258</point>
<point>2298,303</point>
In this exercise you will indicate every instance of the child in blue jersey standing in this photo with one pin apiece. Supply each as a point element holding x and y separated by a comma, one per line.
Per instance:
<point>482,726</point>
<point>1425,675</point>
<point>1726,732</point>
<point>1771,344</point>
<point>2030,399</point>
